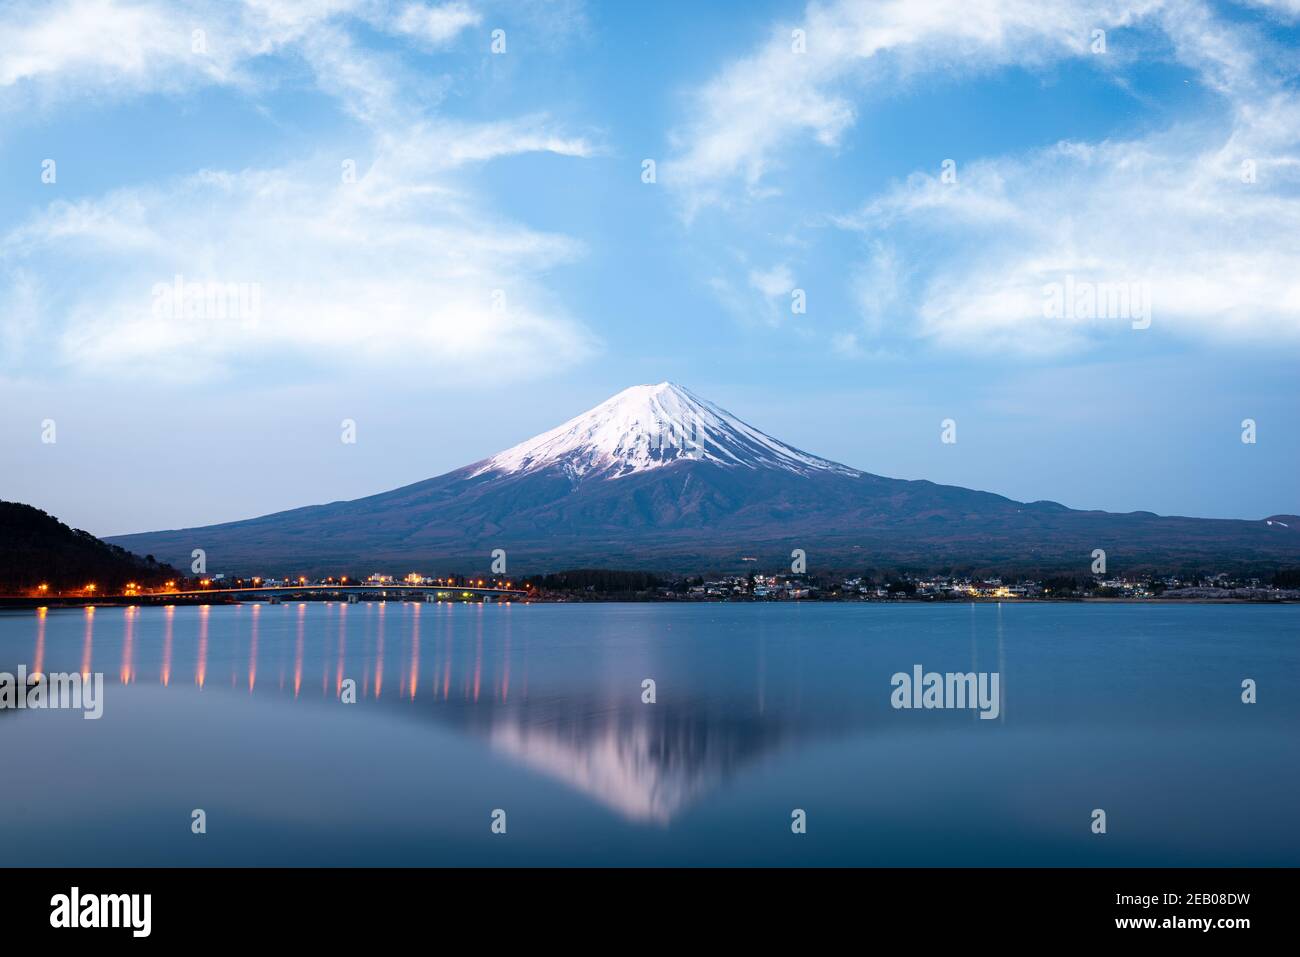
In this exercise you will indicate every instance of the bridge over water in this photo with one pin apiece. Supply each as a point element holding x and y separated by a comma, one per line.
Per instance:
<point>272,593</point>
<point>275,592</point>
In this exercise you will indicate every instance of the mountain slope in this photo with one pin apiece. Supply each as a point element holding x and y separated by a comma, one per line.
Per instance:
<point>658,478</point>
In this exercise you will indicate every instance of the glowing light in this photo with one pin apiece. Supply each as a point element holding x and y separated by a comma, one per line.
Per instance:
<point>88,644</point>
<point>201,670</point>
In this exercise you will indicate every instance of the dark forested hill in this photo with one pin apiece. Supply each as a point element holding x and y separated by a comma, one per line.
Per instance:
<point>36,549</point>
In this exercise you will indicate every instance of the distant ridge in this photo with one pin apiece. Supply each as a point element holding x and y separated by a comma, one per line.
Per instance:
<point>658,478</point>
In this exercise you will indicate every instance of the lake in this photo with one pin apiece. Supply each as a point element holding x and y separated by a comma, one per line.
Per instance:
<point>535,717</point>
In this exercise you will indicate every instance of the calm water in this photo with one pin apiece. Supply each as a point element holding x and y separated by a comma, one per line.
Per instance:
<point>537,710</point>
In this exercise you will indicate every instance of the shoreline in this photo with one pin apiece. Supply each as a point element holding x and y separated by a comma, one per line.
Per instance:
<point>22,602</point>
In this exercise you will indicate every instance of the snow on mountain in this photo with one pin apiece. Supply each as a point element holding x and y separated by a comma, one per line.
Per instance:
<point>648,427</point>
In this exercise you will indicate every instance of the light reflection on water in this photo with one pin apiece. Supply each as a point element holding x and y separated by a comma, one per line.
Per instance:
<point>759,709</point>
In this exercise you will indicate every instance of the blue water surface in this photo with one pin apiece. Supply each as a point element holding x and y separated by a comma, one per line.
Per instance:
<point>759,710</point>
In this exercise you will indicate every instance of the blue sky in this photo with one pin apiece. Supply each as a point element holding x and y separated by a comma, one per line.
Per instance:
<point>497,264</point>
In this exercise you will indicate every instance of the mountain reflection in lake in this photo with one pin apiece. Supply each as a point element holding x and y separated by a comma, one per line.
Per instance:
<point>461,709</point>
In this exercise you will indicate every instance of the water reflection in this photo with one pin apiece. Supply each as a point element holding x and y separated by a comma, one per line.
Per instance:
<point>549,708</point>
<point>128,645</point>
<point>342,655</point>
<point>252,649</point>
<point>201,669</point>
<point>169,627</point>
<point>759,709</point>
<point>88,643</point>
<point>38,658</point>
<point>414,677</point>
<point>298,648</point>
<point>379,656</point>
<point>646,763</point>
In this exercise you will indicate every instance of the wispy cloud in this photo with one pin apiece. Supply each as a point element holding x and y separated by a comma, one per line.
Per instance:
<point>1286,10</point>
<point>763,296</point>
<point>1203,217</point>
<point>397,269</point>
<point>435,24</point>
<point>390,258</point>
<point>1172,213</point>
<point>802,82</point>
<point>122,47</point>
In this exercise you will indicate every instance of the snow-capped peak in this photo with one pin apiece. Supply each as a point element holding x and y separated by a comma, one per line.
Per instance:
<point>651,426</point>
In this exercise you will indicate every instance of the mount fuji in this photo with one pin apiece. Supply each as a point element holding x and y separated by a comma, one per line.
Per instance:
<point>657,477</point>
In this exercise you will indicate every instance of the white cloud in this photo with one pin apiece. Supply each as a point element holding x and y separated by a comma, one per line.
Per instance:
<point>405,269</point>
<point>763,297</point>
<point>1170,213</point>
<point>462,143</point>
<point>99,40</point>
<point>772,283</point>
<point>78,48</point>
<point>1282,9</point>
<point>398,270</point>
<point>1167,212</point>
<point>436,24</point>
<point>1217,255</point>
<point>758,109</point>
<point>119,47</point>
<point>878,287</point>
